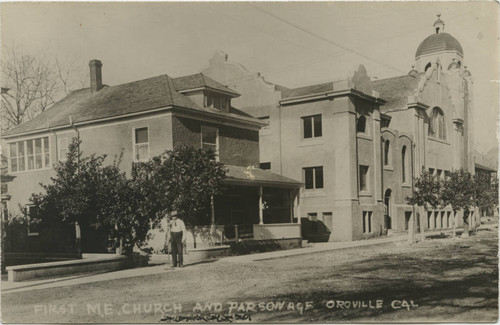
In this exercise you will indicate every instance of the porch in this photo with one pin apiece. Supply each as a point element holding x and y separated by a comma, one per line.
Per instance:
<point>255,205</point>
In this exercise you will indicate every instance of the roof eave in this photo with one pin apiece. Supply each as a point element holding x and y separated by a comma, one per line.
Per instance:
<point>229,93</point>
<point>249,182</point>
<point>332,94</point>
<point>84,123</point>
<point>249,121</point>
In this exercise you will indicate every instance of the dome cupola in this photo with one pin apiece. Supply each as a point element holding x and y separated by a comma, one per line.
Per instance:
<point>439,44</point>
<point>439,24</point>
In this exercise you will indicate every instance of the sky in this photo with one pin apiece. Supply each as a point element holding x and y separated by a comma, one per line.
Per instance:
<point>291,43</point>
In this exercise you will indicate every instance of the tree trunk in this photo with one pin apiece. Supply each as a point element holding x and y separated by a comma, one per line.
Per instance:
<point>78,240</point>
<point>454,224</point>
<point>421,218</point>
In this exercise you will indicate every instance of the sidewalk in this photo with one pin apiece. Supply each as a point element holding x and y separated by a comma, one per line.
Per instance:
<point>11,287</point>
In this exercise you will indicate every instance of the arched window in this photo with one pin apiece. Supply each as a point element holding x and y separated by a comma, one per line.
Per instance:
<point>387,155</point>
<point>361,125</point>
<point>427,66</point>
<point>403,164</point>
<point>437,126</point>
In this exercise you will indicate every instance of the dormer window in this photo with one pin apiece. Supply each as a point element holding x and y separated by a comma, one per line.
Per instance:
<point>216,101</point>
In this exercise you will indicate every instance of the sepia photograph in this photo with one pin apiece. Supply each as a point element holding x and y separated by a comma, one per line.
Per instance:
<point>249,162</point>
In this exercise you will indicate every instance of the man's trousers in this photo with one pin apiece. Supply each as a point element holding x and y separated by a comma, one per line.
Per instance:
<point>176,240</point>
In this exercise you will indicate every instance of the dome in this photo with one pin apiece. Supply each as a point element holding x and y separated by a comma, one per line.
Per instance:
<point>439,42</point>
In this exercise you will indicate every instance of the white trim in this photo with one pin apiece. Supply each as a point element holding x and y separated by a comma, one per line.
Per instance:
<point>210,89</point>
<point>59,146</point>
<point>79,124</point>
<point>134,144</point>
<point>216,139</point>
<point>25,145</point>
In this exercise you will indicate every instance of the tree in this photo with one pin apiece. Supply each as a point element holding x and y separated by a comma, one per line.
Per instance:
<point>184,179</point>
<point>73,195</point>
<point>426,193</point>
<point>459,191</point>
<point>486,192</point>
<point>31,84</point>
<point>85,191</point>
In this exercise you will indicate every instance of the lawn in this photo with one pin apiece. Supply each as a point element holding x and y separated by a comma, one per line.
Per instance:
<point>452,280</point>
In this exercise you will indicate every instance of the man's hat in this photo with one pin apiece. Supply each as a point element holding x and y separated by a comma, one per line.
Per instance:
<point>174,213</point>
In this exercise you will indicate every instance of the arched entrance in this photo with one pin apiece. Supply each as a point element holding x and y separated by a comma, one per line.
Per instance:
<point>387,214</point>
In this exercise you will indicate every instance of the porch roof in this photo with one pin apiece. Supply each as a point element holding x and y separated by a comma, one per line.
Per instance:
<point>252,176</point>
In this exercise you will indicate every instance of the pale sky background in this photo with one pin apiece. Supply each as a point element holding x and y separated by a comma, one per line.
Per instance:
<point>292,44</point>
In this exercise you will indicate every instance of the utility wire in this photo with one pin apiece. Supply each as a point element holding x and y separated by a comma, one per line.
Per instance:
<point>308,62</point>
<point>326,40</point>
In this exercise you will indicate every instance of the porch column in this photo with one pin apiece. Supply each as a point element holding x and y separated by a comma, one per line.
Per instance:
<point>297,205</point>
<point>261,207</point>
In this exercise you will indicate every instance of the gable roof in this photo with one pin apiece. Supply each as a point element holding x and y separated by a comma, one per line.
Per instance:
<point>199,80</point>
<point>129,98</point>
<point>396,91</point>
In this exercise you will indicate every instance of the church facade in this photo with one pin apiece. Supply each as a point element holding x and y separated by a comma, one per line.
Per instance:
<point>358,144</point>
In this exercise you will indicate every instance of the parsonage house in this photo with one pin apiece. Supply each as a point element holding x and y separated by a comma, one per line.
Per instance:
<point>332,161</point>
<point>139,120</point>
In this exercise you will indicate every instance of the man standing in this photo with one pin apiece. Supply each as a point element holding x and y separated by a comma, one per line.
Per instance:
<point>177,238</point>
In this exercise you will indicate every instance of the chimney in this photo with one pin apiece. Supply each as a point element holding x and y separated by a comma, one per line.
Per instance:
<point>95,75</point>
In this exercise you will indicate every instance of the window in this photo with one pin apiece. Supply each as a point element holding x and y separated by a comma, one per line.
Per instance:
<point>367,222</point>
<point>327,219</point>
<point>313,177</point>
<point>384,122</point>
<point>29,155</point>
<point>141,138</point>
<point>312,127</point>
<point>216,101</point>
<point>407,219</point>
<point>363,178</point>
<point>404,165</point>
<point>387,155</point>
<point>361,124</point>
<point>63,149</point>
<point>437,124</point>
<point>31,216</point>
<point>209,138</point>
<point>265,165</point>
<point>312,216</point>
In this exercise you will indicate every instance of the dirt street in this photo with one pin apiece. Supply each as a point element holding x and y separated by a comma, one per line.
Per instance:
<point>452,280</point>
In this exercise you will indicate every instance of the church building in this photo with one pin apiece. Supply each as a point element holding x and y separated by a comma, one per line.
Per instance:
<point>358,144</point>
